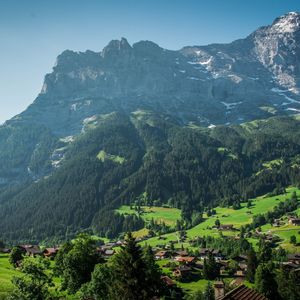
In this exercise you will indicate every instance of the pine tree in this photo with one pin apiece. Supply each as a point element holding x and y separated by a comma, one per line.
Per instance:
<point>251,265</point>
<point>265,282</point>
<point>132,279</point>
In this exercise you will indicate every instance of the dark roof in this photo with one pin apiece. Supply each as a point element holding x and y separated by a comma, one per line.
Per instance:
<point>243,293</point>
<point>294,256</point>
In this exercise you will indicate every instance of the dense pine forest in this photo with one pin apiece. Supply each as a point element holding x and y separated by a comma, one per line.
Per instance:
<point>144,159</point>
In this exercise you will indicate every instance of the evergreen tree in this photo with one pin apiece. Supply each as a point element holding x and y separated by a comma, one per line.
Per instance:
<point>132,280</point>
<point>251,265</point>
<point>16,256</point>
<point>210,268</point>
<point>265,282</point>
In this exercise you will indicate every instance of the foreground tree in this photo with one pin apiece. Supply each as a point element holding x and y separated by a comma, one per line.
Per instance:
<point>288,284</point>
<point>210,268</point>
<point>135,275</point>
<point>16,256</point>
<point>132,274</point>
<point>35,283</point>
<point>77,262</point>
<point>209,293</point>
<point>265,282</point>
<point>251,265</point>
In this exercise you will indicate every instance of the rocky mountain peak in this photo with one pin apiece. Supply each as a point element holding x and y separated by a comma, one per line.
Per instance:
<point>287,23</point>
<point>115,47</point>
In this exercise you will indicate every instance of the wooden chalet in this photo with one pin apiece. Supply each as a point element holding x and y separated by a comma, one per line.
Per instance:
<point>182,271</point>
<point>188,260</point>
<point>226,227</point>
<point>168,281</point>
<point>162,254</point>
<point>294,221</point>
<point>50,252</point>
<point>31,250</point>
<point>243,292</point>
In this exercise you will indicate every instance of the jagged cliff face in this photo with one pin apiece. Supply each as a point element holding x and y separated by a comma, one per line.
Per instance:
<point>215,84</point>
<point>251,78</point>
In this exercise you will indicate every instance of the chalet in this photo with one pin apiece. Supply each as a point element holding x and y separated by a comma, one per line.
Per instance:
<point>182,271</point>
<point>31,250</point>
<point>242,292</point>
<point>226,227</point>
<point>162,254</point>
<point>294,258</point>
<point>219,288</point>
<point>168,281</point>
<point>188,260</point>
<point>294,221</point>
<point>50,252</point>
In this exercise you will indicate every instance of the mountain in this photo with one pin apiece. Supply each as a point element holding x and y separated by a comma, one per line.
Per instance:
<point>109,126</point>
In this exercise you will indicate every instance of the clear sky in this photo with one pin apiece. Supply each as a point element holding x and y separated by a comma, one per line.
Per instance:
<point>34,32</point>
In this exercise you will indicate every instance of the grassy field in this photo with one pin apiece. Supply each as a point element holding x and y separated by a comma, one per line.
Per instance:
<point>6,274</point>
<point>159,214</point>
<point>237,218</point>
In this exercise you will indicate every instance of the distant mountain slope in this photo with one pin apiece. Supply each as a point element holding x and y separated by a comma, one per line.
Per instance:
<point>119,159</point>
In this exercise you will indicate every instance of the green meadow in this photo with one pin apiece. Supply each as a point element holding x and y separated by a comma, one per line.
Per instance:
<point>238,218</point>
<point>159,214</point>
<point>6,274</point>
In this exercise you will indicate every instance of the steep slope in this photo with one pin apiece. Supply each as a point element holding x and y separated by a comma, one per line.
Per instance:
<point>152,158</point>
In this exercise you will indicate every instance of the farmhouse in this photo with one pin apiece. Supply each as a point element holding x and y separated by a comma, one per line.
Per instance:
<point>162,254</point>
<point>168,281</point>
<point>182,271</point>
<point>294,221</point>
<point>242,292</point>
<point>31,250</point>
<point>188,260</point>
<point>226,227</point>
<point>50,252</point>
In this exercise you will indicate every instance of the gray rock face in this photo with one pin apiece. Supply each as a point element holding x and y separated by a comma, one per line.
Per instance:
<point>247,79</point>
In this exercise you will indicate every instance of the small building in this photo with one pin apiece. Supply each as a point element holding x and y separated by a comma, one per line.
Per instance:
<point>294,221</point>
<point>188,260</point>
<point>31,250</point>
<point>182,253</point>
<point>162,254</point>
<point>242,292</point>
<point>182,272</point>
<point>226,227</point>
<point>240,258</point>
<point>50,252</point>
<point>168,281</point>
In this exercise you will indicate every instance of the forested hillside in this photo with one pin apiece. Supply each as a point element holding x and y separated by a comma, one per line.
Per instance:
<point>148,159</point>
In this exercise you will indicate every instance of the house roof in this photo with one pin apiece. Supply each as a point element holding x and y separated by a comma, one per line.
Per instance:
<point>242,292</point>
<point>294,256</point>
<point>187,259</point>
<point>167,280</point>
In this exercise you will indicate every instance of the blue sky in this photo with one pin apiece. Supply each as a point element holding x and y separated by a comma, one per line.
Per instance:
<point>34,32</point>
